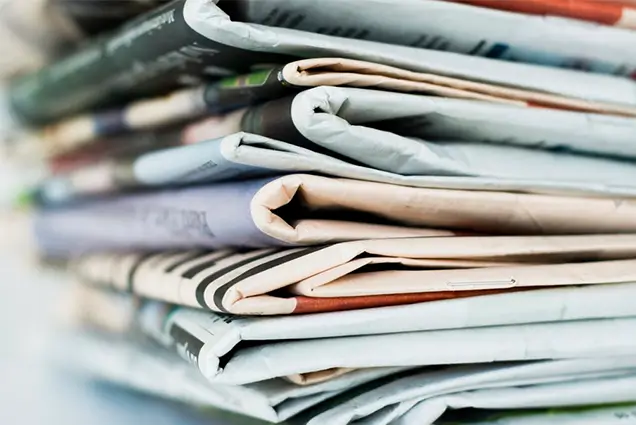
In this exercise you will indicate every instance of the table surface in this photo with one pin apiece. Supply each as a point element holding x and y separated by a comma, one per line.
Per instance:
<point>35,389</point>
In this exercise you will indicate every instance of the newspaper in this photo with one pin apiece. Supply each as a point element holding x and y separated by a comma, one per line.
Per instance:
<point>150,370</point>
<point>618,389</point>
<point>33,32</point>
<point>592,415</point>
<point>222,335</point>
<point>355,73</point>
<point>603,12</point>
<point>301,209</point>
<point>235,92</point>
<point>590,338</point>
<point>245,155</point>
<point>188,41</point>
<point>96,16</point>
<point>153,370</point>
<point>433,399</point>
<point>362,273</point>
<point>190,217</point>
<point>326,116</point>
<point>119,312</point>
<point>213,346</point>
<point>345,141</point>
<point>454,27</point>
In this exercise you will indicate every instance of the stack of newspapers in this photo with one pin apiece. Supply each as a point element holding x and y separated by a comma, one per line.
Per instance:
<point>359,211</point>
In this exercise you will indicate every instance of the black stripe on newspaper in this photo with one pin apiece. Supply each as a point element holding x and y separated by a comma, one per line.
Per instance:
<point>193,256</point>
<point>221,291</point>
<point>198,268</point>
<point>207,281</point>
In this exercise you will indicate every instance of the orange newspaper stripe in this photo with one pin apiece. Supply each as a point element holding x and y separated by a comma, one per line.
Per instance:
<point>605,12</point>
<point>321,305</point>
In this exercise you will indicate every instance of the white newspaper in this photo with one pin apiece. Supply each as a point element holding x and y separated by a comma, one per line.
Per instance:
<point>150,369</point>
<point>406,139</point>
<point>210,43</point>
<point>548,305</point>
<point>208,20</point>
<point>618,389</point>
<point>249,155</point>
<point>423,141</point>
<point>327,116</point>
<point>426,395</point>
<point>219,363</point>
<point>460,28</point>
<point>581,392</point>
<point>223,334</point>
<point>217,336</point>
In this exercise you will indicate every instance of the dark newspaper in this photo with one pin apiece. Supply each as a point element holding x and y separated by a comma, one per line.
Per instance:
<point>152,54</point>
<point>166,49</point>
<point>96,16</point>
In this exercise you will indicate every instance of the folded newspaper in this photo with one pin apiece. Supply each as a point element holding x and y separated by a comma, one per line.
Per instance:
<point>154,370</point>
<point>455,27</point>
<point>245,155</point>
<point>467,239</point>
<point>96,16</point>
<point>188,39</point>
<point>235,92</point>
<point>211,339</point>
<point>304,209</point>
<point>118,312</point>
<point>423,399</point>
<point>522,385</point>
<point>423,141</point>
<point>316,351</point>
<point>580,339</point>
<point>362,273</point>
<point>326,117</point>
